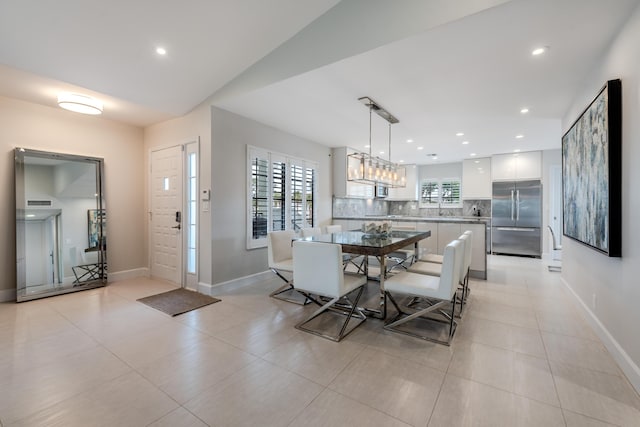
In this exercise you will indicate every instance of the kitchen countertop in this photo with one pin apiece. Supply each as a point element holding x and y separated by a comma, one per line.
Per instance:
<point>460,219</point>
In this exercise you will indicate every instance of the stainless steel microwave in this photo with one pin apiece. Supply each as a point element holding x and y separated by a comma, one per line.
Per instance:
<point>381,191</point>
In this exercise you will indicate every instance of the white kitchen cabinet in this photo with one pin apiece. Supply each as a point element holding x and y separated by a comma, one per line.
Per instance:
<point>478,249</point>
<point>342,187</point>
<point>516,166</point>
<point>476,178</point>
<point>429,245</point>
<point>447,232</point>
<point>410,191</point>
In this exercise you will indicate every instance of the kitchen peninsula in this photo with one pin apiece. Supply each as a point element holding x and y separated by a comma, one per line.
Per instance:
<point>443,230</point>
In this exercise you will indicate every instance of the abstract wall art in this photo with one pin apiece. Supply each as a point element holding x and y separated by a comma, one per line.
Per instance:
<point>591,173</point>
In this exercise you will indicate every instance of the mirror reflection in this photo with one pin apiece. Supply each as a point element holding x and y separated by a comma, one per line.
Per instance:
<point>60,224</point>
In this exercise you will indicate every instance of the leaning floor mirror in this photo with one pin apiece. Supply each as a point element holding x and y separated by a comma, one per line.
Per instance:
<point>61,243</point>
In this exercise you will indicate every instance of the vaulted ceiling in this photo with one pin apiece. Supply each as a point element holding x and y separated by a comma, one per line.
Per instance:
<point>441,67</point>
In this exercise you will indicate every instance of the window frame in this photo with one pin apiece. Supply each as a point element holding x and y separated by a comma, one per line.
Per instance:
<point>306,166</point>
<point>440,202</point>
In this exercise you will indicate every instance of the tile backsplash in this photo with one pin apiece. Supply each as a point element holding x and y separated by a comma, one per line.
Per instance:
<point>352,208</point>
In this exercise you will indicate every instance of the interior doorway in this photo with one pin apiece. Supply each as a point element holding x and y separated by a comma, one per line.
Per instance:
<point>173,218</point>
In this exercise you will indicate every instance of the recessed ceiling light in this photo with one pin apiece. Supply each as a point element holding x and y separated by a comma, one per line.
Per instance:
<point>409,141</point>
<point>460,134</point>
<point>472,154</point>
<point>30,215</point>
<point>539,50</point>
<point>519,136</point>
<point>161,51</point>
<point>476,161</point>
<point>524,111</point>
<point>434,157</point>
<point>420,148</point>
<point>381,152</point>
<point>465,142</point>
<point>80,103</point>
<point>516,150</point>
<point>400,161</point>
<point>367,146</point>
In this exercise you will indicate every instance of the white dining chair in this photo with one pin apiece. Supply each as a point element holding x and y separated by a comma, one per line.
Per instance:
<point>436,293</point>
<point>404,257</point>
<point>330,229</point>
<point>310,231</point>
<point>433,269</point>
<point>318,273</point>
<point>280,261</point>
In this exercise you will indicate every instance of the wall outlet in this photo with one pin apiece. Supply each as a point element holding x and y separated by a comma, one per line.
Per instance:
<point>593,301</point>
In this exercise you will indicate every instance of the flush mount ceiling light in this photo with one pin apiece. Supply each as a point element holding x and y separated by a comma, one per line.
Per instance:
<point>539,50</point>
<point>161,51</point>
<point>524,111</point>
<point>366,169</point>
<point>80,103</point>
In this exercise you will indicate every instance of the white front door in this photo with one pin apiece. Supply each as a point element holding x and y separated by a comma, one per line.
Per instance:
<point>166,214</point>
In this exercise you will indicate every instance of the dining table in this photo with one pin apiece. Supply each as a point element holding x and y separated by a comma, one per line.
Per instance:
<point>378,246</point>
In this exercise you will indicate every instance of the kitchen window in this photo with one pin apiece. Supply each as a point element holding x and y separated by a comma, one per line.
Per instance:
<point>281,194</point>
<point>440,192</point>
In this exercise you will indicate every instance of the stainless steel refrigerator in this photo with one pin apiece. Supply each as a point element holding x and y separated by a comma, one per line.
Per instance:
<point>516,218</point>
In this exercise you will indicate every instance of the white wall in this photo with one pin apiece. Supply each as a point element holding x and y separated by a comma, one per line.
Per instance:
<point>230,135</point>
<point>52,129</point>
<point>614,281</point>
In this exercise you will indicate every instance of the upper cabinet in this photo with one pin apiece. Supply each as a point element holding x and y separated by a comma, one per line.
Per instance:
<point>342,187</point>
<point>476,178</point>
<point>409,191</point>
<point>516,166</point>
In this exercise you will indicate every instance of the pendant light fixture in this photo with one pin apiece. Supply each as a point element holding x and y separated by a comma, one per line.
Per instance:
<point>366,169</point>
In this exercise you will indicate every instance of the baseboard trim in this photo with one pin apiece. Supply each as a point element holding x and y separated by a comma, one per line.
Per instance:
<point>628,366</point>
<point>204,288</point>
<point>127,274</point>
<point>8,295</point>
<point>237,283</point>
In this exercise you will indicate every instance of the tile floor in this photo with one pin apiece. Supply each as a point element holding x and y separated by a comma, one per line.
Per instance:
<point>522,356</point>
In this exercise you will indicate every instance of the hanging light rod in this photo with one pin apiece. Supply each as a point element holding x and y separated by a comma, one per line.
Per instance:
<point>370,103</point>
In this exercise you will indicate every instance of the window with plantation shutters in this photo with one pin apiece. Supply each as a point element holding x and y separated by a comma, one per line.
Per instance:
<point>281,194</point>
<point>429,192</point>
<point>450,192</point>
<point>440,192</point>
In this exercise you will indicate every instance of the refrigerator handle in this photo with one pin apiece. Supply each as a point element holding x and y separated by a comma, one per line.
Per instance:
<point>511,205</point>
<point>517,205</point>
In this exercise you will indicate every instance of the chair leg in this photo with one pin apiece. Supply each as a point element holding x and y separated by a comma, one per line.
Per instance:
<point>403,317</point>
<point>353,313</point>
<point>288,288</point>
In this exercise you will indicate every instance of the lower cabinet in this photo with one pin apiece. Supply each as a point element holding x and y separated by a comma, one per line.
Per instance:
<point>447,232</point>
<point>430,245</point>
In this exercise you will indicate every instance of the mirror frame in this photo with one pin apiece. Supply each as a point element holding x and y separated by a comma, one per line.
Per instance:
<point>21,206</point>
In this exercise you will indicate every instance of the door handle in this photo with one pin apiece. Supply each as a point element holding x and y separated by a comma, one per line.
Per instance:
<point>517,205</point>
<point>511,205</point>
<point>177,226</point>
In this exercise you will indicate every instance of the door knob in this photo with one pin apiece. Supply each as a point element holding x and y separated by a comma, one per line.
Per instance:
<point>177,226</point>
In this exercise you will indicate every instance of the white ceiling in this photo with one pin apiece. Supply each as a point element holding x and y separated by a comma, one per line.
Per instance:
<point>464,70</point>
